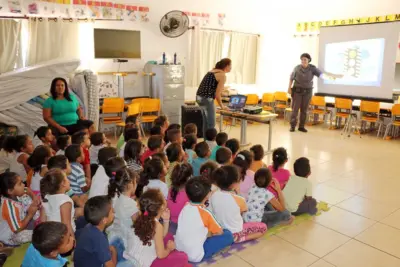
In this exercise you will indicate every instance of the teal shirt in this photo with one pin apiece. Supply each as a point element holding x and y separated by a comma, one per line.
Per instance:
<point>214,153</point>
<point>34,259</point>
<point>64,112</point>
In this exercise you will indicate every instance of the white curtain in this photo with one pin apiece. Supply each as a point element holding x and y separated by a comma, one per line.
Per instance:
<point>193,72</point>
<point>243,51</point>
<point>10,45</point>
<point>49,39</point>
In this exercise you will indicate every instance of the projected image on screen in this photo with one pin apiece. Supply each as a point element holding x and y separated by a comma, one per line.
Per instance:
<point>359,61</point>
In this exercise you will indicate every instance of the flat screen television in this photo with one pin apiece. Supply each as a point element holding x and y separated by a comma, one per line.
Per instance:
<point>109,43</point>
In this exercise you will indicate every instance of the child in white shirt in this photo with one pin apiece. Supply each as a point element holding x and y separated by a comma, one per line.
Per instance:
<point>98,141</point>
<point>150,178</point>
<point>63,141</point>
<point>129,134</point>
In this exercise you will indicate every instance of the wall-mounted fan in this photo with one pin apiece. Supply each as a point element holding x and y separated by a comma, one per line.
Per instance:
<point>174,24</point>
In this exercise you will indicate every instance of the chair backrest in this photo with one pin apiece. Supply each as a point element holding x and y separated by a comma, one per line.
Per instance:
<point>342,103</point>
<point>318,101</point>
<point>151,105</point>
<point>281,96</point>
<point>268,98</point>
<point>134,109</point>
<point>252,99</point>
<point>139,100</point>
<point>370,106</point>
<point>396,110</point>
<point>113,105</point>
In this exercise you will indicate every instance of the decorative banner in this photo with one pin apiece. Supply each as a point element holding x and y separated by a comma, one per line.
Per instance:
<point>108,11</point>
<point>316,25</point>
<point>196,18</point>
<point>131,13</point>
<point>205,19</point>
<point>94,9</point>
<point>46,7</point>
<point>63,8</point>
<point>144,14</point>
<point>12,6</point>
<point>80,9</point>
<point>221,19</point>
<point>119,11</point>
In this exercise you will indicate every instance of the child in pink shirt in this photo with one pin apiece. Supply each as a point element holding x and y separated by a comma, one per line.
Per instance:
<point>177,197</point>
<point>243,161</point>
<point>279,159</point>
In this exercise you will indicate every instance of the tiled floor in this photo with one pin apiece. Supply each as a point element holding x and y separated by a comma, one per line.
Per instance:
<point>359,178</point>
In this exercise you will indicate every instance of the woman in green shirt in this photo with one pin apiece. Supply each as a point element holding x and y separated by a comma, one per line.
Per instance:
<point>62,111</point>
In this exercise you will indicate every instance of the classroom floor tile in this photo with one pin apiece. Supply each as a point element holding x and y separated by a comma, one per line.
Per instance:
<point>393,219</point>
<point>329,194</point>
<point>322,263</point>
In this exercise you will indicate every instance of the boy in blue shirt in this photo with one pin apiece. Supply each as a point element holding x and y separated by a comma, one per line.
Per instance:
<point>203,153</point>
<point>77,179</point>
<point>221,140</point>
<point>49,240</point>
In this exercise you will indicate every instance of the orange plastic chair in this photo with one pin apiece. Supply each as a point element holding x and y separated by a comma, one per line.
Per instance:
<point>150,111</point>
<point>252,99</point>
<point>281,100</point>
<point>317,107</point>
<point>395,122</point>
<point>268,102</point>
<point>370,113</point>
<point>133,109</point>
<point>112,106</point>
<point>343,108</point>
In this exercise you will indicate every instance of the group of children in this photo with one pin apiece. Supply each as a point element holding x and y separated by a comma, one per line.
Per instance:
<point>106,206</point>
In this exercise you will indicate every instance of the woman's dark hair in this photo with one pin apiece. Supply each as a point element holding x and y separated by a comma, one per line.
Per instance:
<point>51,182</point>
<point>120,180</point>
<point>131,134</point>
<point>197,189</point>
<point>62,141</point>
<point>279,157</point>
<point>105,154</point>
<point>179,176</point>
<point>226,176</point>
<point>173,152</point>
<point>211,134</point>
<point>73,152</point>
<point>302,167</point>
<point>41,132</point>
<point>189,141</point>
<point>223,63</point>
<point>190,128</point>
<point>150,204</point>
<point>152,170</point>
<point>20,142</point>
<point>96,209</point>
<point>38,157</point>
<point>78,138</point>
<point>201,149</point>
<point>207,169</point>
<point>233,144</point>
<point>132,150</point>
<point>113,165</point>
<point>263,177</point>
<point>258,152</point>
<point>160,120</point>
<point>58,161</point>
<point>243,160</point>
<point>306,55</point>
<point>48,237</point>
<point>8,180</point>
<point>154,142</point>
<point>155,130</point>
<point>84,124</point>
<point>9,143</point>
<point>221,138</point>
<point>223,155</point>
<point>96,138</point>
<point>173,126</point>
<point>53,88</point>
<point>131,119</point>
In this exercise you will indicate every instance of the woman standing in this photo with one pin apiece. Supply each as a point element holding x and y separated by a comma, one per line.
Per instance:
<point>211,88</point>
<point>62,111</point>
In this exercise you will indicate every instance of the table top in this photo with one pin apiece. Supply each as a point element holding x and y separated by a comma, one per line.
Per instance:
<point>264,116</point>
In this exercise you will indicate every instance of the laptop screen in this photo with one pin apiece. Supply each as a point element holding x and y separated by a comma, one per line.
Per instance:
<point>237,101</point>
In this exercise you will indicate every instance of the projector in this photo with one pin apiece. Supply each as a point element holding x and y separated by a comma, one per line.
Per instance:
<point>252,109</point>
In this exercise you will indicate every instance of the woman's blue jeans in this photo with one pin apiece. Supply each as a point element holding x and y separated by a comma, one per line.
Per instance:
<point>209,106</point>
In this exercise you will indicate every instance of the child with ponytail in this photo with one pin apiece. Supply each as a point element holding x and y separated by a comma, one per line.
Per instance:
<point>282,175</point>
<point>177,197</point>
<point>23,147</point>
<point>121,189</point>
<point>149,244</point>
<point>150,178</point>
<point>243,160</point>
<point>206,171</point>
<point>38,162</point>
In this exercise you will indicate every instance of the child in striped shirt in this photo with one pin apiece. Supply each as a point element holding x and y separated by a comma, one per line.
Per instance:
<point>79,183</point>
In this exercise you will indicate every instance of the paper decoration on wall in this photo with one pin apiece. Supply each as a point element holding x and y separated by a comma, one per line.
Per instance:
<point>131,13</point>
<point>46,7</point>
<point>221,19</point>
<point>314,26</point>
<point>94,9</point>
<point>144,14</point>
<point>107,10</point>
<point>205,18</point>
<point>80,9</point>
<point>15,6</point>
<point>63,8</point>
<point>107,88</point>
<point>196,18</point>
<point>119,11</point>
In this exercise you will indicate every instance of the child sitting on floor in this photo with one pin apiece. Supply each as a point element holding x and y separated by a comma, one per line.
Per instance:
<point>63,141</point>
<point>79,183</point>
<point>173,126</point>
<point>156,130</point>
<point>190,128</point>
<point>14,222</point>
<point>206,171</point>
<point>224,156</point>
<point>234,145</point>
<point>174,136</point>
<point>121,190</point>
<point>49,240</point>
<point>98,141</point>
<point>150,178</point>
<point>211,135</point>
<point>163,122</point>
<point>82,139</point>
<point>177,197</point>
<point>221,141</point>
<point>155,144</point>
<point>262,204</point>
<point>38,162</point>
<point>129,134</point>
<point>279,159</point>
<point>92,246</point>
<point>243,161</point>
<point>228,207</point>
<point>100,179</point>
<point>258,152</point>
<point>149,243</point>
<point>199,234</point>
<point>134,149</point>
<point>203,153</point>
<point>45,135</point>
<point>175,155</point>
<point>189,143</point>
<point>130,122</point>
<point>23,147</point>
<point>298,191</point>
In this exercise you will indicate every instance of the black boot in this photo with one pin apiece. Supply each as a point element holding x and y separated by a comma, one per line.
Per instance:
<point>302,129</point>
<point>292,129</point>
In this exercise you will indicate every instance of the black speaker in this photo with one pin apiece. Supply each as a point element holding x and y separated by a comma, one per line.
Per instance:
<point>194,114</point>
